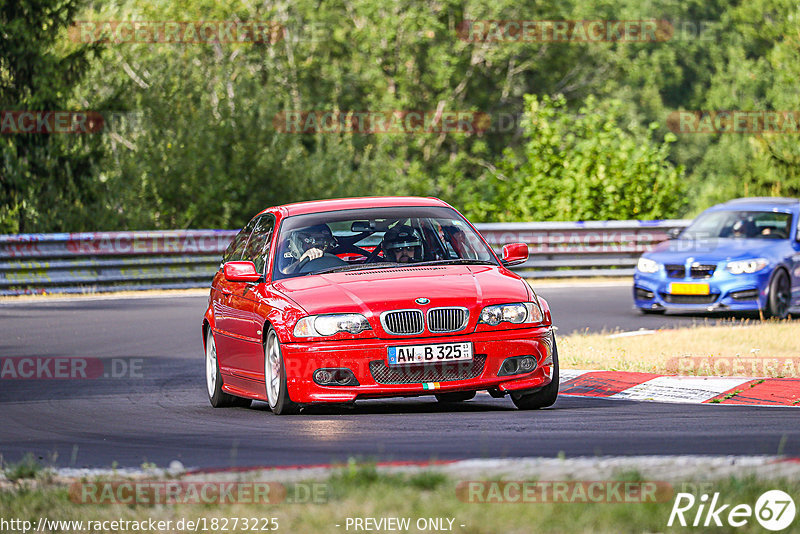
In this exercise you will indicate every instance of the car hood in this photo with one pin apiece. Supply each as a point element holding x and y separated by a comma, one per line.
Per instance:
<point>375,291</point>
<point>678,251</point>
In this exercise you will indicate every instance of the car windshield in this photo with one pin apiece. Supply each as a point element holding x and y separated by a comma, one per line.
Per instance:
<point>376,238</point>
<point>736,224</point>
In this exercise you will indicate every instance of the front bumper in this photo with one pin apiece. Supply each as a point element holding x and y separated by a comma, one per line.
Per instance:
<point>302,359</point>
<point>727,292</point>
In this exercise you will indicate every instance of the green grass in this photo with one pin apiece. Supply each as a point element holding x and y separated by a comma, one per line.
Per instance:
<point>363,491</point>
<point>28,467</point>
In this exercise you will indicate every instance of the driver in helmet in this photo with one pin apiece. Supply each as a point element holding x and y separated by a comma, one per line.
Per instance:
<point>402,244</point>
<point>742,228</point>
<point>309,244</point>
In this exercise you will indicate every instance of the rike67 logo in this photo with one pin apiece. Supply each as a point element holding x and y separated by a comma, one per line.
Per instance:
<point>774,510</point>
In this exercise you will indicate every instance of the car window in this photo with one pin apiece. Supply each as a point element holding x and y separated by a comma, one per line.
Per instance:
<point>740,224</point>
<point>376,238</point>
<point>257,248</point>
<point>236,247</point>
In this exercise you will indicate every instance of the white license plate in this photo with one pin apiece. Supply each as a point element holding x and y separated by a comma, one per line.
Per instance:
<point>442,352</point>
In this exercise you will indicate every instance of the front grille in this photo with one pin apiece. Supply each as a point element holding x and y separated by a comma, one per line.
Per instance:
<point>447,319</point>
<point>703,271</point>
<point>436,372</point>
<point>675,271</point>
<point>688,299</point>
<point>402,322</point>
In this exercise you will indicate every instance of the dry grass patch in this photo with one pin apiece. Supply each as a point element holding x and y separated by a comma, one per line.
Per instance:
<point>770,349</point>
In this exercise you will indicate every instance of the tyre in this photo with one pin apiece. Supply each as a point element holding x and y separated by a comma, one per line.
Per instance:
<point>779,296</point>
<point>456,396</point>
<point>217,397</point>
<point>540,397</point>
<point>650,311</point>
<point>275,377</point>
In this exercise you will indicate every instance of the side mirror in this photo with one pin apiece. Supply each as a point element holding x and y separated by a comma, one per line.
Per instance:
<point>241,271</point>
<point>673,233</point>
<point>514,254</point>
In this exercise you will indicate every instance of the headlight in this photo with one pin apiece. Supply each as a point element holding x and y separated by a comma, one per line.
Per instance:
<point>328,325</point>
<point>746,266</point>
<point>517,313</point>
<point>646,265</point>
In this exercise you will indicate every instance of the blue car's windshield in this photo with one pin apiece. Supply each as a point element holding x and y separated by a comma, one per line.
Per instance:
<point>737,224</point>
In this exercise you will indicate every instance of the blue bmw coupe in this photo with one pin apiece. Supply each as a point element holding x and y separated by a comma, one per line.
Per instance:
<point>743,255</point>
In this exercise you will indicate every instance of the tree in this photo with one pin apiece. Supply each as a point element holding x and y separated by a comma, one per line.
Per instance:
<point>47,181</point>
<point>584,166</point>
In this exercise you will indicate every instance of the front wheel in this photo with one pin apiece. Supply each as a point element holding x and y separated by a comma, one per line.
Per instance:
<point>275,377</point>
<point>217,397</point>
<point>780,295</point>
<point>541,397</point>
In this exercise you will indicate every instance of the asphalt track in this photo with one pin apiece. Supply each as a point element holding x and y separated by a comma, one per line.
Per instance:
<point>162,413</point>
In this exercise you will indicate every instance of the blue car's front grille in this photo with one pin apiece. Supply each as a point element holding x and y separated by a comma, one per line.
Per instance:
<point>695,271</point>
<point>703,271</point>
<point>675,271</point>
<point>689,299</point>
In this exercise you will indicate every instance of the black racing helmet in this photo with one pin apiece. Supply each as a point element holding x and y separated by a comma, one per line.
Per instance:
<point>402,236</point>
<point>317,236</point>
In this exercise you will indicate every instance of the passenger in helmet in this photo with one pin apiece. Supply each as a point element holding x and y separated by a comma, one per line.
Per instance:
<point>309,243</point>
<point>402,244</point>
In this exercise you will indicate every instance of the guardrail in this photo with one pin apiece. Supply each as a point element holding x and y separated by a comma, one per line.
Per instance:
<point>106,261</point>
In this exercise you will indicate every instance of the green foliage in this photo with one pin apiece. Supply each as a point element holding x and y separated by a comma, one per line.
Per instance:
<point>761,73</point>
<point>47,182</point>
<point>584,166</point>
<point>190,139</point>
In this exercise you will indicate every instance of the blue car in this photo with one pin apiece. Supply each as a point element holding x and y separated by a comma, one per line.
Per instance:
<point>743,255</point>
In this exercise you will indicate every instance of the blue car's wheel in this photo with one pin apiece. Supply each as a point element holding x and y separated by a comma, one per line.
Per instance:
<point>780,295</point>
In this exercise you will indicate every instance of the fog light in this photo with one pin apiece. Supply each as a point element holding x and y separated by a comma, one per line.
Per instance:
<point>323,376</point>
<point>517,365</point>
<point>335,377</point>
<point>643,294</point>
<point>748,294</point>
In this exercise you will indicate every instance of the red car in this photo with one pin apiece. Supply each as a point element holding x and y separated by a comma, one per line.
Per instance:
<point>337,300</point>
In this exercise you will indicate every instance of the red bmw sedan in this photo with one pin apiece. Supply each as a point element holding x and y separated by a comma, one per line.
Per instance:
<point>332,301</point>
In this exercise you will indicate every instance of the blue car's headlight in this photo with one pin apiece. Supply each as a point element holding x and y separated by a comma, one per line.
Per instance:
<point>646,265</point>
<point>747,266</point>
